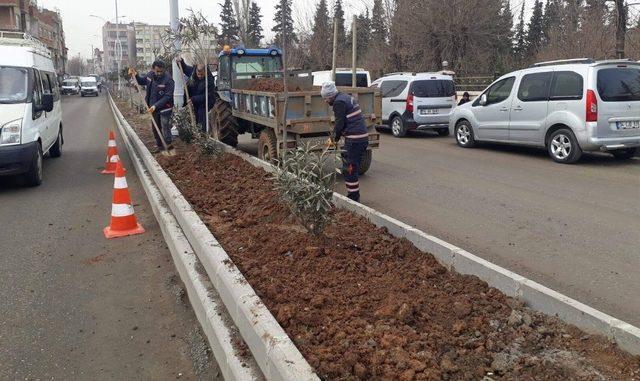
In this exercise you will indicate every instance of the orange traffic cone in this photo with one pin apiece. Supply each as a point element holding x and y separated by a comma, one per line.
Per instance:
<point>123,219</point>
<point>112,155</point>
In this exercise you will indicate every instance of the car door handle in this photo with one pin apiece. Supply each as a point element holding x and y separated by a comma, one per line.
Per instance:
<point>504,109</point>
<point>517,108</point>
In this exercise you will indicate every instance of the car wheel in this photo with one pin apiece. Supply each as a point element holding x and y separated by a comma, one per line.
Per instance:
<point>443,132</point>
<point>33,178</point>
<point>464,135</point>
<point>398,128</point>
<point>56,148</point>
<point>563,147</point>
<point>624,154</point>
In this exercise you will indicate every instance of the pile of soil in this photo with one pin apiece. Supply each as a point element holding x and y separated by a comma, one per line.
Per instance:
<point>271,85</point>
<point>363,305</point>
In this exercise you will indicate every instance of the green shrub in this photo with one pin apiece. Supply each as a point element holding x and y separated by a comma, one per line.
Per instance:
<point>305,184</point>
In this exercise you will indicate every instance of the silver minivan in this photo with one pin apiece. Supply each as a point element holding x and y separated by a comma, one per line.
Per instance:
<point>417,101</point>
<point>567,106</point>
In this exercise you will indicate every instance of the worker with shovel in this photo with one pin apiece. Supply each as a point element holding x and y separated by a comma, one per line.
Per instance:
<point>197,89</point>
<point>159,100</point>
<point>350,125</point>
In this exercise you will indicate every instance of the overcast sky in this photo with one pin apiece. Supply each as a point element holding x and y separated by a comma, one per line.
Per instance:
<point>82,31</point>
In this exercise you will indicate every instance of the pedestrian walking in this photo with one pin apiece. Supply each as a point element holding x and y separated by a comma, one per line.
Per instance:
<point>465,99</point>
<point>159,98</point>
<point>350,125</point>
<point>197,87</point>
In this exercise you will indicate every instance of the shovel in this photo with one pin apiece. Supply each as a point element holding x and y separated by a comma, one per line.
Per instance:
<point>166,151</point>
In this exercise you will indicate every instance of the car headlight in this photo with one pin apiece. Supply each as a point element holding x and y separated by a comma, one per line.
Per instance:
<point>10,132</point>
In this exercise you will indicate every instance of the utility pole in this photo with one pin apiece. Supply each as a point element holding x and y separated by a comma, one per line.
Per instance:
<point>354,53</point>
<point>178,93</point>
<point>335,50</point>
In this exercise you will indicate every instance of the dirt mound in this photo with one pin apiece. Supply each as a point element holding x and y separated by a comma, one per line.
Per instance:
<point>271,85</point>
<point>363,305</point>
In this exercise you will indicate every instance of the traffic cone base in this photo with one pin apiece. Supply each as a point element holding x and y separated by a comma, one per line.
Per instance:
<point>110,233</point>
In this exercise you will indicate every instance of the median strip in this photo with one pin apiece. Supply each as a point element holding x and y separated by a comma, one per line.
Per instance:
<point>365,301</point>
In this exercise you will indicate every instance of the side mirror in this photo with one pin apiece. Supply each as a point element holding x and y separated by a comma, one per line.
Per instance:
<point>483,100</point>
<point>47,102</point>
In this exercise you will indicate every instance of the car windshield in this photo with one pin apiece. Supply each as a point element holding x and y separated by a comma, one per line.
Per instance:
<point>433,88</point>
<point>88,84</point>
<point>13,84</point>
<point>619,84</point>
<point>256,65</point>
<point>69,83</point>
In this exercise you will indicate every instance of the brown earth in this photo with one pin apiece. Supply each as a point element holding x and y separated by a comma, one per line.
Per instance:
<point>271,85</point>
<point>363,305</point>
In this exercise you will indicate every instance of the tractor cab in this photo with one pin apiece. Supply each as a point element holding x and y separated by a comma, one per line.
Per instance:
<point>238,66</point>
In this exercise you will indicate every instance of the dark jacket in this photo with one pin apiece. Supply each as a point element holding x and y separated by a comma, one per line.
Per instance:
<point>159,90</point>
<point>349,118</point>
<point>197,92</point>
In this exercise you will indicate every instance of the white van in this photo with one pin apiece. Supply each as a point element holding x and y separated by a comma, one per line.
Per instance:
<point>343,77</point>
<point>417,101</point>
<point>30,110</point>
<point>88,86</point>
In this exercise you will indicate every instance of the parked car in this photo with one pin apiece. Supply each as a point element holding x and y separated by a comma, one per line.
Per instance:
<point>88,86</point>
<point>567,107</point>
<point>30,107</point>
<point>344,77</point>
<point>417,101</point>
<point>70,86</point>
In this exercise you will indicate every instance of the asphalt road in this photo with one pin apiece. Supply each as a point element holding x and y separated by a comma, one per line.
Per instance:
<point>78,306</point>
<point>573,228</point>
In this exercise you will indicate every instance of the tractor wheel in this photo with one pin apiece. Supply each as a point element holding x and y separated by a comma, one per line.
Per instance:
<point>267,146</point>
<point>225,123</point>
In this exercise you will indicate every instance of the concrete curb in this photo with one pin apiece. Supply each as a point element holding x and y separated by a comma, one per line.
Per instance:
<point>206,303</point>
<point>274,352</point>
<point>535,295</point>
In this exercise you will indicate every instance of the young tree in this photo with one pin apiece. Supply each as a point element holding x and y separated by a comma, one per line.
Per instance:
<point>229,32</point>
<point>284,22</point>
<point>254,31</point>
<point>320,39</point>
<point>535,31</point>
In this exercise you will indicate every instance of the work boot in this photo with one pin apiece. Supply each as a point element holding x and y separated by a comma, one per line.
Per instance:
<point>355,196</point>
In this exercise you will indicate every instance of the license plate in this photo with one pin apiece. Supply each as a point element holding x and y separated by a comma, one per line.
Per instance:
<point>429,111</point>
<point>628,125</point>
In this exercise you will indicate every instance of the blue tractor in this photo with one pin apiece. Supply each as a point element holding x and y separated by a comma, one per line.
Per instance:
<point>252,100</point>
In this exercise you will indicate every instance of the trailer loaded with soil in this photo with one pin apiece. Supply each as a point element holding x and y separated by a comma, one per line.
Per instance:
<point>361,304</point>
<point>252,100</point>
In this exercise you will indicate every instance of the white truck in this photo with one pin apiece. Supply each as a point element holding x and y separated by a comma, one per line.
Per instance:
<point>30,109</point>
